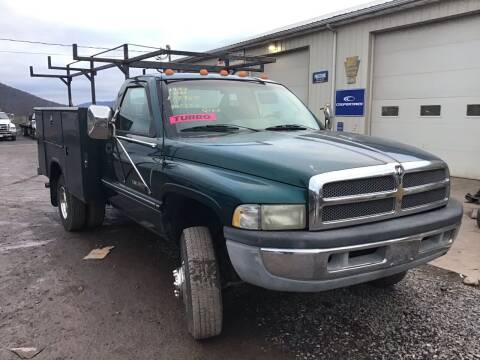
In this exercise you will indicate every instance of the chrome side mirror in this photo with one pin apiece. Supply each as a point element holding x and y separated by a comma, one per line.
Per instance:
<point>327,113</point>
<point>98,122</point>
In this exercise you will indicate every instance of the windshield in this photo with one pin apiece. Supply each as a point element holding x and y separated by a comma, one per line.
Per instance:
<point>208,105</point>
<point>3,115</point>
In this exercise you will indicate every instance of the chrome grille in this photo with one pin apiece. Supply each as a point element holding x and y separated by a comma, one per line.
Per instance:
<point>356,210</point>
<point>423,177</point>
<point>3,128</point>
<point>422,198</point>
<point>373,193</point>
<point>358,186</point>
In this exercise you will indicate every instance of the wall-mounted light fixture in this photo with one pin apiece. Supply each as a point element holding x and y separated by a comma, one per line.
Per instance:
<point>274,47</point>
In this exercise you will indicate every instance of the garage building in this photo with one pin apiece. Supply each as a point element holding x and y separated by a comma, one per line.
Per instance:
<point>408,70</point>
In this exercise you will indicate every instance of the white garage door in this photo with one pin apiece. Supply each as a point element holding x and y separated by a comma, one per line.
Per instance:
<point>426,91</point>
<point>291,70</point>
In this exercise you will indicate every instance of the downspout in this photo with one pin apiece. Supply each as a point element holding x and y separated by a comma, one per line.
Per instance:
<point>334,68</point>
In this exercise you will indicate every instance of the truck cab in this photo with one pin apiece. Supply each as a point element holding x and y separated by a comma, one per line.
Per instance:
<point>249,184</point>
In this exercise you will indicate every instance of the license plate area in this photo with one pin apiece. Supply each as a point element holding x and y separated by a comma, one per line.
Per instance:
<point>356,259</point>
<point>402,252</point>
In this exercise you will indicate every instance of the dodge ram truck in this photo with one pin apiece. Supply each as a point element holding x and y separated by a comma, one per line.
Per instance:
<point>249,184</point>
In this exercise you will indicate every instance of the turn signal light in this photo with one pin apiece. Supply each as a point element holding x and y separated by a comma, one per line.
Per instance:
<point>169,72</point>
<point>203,72</point>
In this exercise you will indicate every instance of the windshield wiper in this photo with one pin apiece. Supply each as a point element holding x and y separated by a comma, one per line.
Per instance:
<point>217,127</point>
<point>288,127</point>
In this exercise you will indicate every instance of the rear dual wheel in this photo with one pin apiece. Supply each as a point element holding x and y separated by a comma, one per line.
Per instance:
<point>95,214</point>
<point>72,211</point>
<point>74,214</point>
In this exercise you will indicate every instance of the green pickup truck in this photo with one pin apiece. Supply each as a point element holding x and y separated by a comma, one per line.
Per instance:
<point>251,186</point>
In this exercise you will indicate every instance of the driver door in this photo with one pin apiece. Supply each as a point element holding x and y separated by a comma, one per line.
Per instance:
<point>136,154</point>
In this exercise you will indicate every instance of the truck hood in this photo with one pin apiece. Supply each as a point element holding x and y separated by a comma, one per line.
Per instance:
<point>292,157</point>
<point>4,121</point>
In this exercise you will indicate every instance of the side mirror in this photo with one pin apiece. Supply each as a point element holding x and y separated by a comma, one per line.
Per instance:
<point>98,122</point>
<point>327,113</point>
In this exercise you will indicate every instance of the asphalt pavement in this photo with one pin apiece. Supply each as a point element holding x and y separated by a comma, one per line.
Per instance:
<point>122,307</point>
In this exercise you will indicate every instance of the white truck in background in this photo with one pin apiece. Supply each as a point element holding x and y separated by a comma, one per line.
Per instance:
<point>7,127</point>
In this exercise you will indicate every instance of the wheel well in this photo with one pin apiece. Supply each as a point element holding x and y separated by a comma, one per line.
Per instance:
<point>182,212</point>
<point>55,172</point>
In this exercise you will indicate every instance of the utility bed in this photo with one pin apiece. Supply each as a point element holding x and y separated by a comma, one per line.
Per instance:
<point>63,143</point>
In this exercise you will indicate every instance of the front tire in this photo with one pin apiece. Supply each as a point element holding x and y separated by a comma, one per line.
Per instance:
<point>389,281</point>
<point>197,282</point>
<point>72,211</point>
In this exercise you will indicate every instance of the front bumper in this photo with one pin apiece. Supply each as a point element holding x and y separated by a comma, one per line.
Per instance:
<point>7,134</point>
<point>330,259</point>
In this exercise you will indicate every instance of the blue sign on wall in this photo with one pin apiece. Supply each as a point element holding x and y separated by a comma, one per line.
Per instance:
<point>350,102</point>
<point>320,76</point>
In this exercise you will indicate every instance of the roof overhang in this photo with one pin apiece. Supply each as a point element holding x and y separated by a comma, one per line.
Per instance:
<point>326,22</point>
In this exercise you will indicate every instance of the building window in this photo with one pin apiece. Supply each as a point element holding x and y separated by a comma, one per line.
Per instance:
<point>389,110</point>
<point>473,110</point>
<point>430,110</point>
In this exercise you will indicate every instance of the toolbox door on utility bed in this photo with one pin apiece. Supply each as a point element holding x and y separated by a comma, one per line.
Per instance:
<point>42,166</point>
<point>63,141</point>
<point>73,152</point>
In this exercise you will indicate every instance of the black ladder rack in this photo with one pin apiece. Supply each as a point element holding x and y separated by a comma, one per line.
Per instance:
<point>233,62</point>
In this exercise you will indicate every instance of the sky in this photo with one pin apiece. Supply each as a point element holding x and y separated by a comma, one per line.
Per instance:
<point>185,24</point>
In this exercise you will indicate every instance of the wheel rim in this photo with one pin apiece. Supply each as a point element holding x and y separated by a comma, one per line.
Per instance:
<point>63,202</point>
<point>178,281</point>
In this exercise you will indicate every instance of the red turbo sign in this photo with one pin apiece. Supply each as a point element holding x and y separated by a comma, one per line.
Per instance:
<point>181,118</point>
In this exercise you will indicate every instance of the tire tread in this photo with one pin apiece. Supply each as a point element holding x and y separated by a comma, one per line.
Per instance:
<point>204,293</point>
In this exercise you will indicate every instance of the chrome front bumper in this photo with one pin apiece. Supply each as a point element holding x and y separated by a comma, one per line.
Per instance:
<point>308,270</point>
<point>7,134</point>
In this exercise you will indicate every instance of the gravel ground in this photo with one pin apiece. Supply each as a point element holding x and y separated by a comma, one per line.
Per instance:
<point>122,307</point>
<point>429,315</point>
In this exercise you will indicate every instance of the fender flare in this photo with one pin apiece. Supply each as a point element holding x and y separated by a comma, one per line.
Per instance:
<point>194,194</point>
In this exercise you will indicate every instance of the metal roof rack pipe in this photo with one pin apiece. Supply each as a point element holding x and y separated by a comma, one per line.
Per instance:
<point>242,63</point>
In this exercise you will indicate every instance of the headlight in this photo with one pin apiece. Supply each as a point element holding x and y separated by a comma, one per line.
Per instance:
<point>269,217</point>
<point>12,127</point>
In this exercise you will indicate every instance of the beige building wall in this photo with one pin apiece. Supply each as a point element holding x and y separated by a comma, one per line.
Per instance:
<point>358,39</point>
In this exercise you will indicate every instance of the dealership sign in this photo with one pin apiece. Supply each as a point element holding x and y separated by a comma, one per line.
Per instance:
<point>350,102</point>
